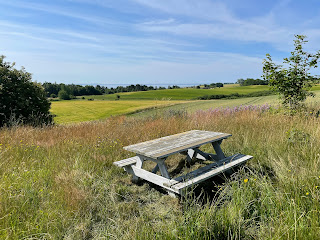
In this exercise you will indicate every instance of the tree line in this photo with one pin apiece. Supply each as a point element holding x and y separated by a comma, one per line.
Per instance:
<point>72,90</point>
<point>252,81</point>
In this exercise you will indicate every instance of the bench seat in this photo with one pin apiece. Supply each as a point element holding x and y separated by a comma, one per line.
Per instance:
<point>204,173</point>
<point>126,162</point>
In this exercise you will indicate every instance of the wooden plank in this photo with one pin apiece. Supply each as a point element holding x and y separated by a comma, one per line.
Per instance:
<point>199,171</point>
<point>165,146</point>
<point>126,162</point>
<point>151,177</point>
<point>207,172</point>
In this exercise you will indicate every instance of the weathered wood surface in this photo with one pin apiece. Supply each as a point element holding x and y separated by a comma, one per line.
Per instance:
<point>126,162</point>
<point>206,172</point>
<point>151,177</point>
<point>165,146</point>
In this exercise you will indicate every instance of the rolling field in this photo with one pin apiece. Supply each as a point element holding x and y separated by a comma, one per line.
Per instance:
<point>181,93</point>
<point>74,111</point>
<point>79,111</point>
<point>193,106</point>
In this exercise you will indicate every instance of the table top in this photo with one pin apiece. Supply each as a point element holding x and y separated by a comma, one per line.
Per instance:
<point>165,146</point>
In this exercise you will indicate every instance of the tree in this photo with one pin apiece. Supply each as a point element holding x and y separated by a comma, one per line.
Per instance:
<point>21,100</point>
<point>294,82</point>
<point>64,95</point>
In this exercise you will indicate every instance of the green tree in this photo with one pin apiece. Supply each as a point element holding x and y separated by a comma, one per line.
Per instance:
<point>21,100</point>
<point>294,82</point>
<point>64,95</point>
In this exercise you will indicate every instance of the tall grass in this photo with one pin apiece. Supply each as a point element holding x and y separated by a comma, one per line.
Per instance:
<point>59,182</point>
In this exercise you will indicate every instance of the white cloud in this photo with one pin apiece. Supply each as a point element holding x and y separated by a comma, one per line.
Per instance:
<point>60,11</point>
<point>204,9</point>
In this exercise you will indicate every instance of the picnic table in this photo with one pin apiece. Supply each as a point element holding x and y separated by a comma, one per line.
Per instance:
<point>186,143</point>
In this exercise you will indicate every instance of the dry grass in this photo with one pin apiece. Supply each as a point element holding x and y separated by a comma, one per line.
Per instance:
<point>59,182</point>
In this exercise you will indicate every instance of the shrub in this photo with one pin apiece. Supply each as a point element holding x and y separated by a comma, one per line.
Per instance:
<point>21,100</point>
<point>63,95</point>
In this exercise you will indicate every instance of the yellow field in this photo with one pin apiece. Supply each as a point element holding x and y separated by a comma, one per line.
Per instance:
<point>79,111</point>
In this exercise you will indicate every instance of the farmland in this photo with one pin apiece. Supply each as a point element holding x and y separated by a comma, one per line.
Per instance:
<point>182,93</point>
<point>79,111</point>
<point>105,106</point>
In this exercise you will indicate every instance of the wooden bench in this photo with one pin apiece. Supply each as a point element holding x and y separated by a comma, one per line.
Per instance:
<point>126,162</point>
<point>197,176</point>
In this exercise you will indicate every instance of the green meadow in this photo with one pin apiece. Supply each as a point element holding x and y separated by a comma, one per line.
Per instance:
<point>73,111</point>
<point>142,104</point>
<point>182,93</point>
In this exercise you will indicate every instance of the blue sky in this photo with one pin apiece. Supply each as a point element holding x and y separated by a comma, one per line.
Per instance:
<point>152,41</point>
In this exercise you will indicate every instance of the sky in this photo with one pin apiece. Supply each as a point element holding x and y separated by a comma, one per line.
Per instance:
<point>152,41</point>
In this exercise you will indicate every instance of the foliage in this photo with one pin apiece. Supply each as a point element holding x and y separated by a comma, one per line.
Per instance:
<point>294,82</point>
<point>21,100</point>
<point>251,81</point>
<point>64,95</point>
<point>214,85</point>
<point>78,90</point>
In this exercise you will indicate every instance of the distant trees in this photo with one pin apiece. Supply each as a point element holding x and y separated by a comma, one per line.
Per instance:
<point>21,100</point>
<point>251,81</point>
<point>79,90</point>
<point>294,82</point>
<point>214,85</point>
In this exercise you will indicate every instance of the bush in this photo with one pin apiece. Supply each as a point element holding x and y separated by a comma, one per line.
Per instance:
<point>53,95</point>
<point>63,95</point>
<point>21,100</point>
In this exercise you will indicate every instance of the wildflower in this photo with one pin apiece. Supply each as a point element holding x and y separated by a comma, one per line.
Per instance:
<point>307,193</point>
<point>317,187</point>
<point>255,179</point>
<point>289,170</point>
<point>246,180</point>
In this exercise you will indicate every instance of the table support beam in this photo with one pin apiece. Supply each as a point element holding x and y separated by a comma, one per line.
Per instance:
<point>163,170</point>
<point>155,169</point>
<point>217,148</point>
<point>139,164</point>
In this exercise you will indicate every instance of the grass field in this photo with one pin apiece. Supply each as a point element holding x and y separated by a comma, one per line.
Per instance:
<point>59,182</point>
<point>181,93</point>
<point>194,106</point>
<point>79,111</point>
<point>185,93</point>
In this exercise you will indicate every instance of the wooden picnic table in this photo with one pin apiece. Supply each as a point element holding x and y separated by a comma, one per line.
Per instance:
<point>186,143</point>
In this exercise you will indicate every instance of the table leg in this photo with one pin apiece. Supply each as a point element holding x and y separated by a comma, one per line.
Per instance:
<point>156,169</point>
<point>139,164</point>
<point>190,154</point>
<point>163,169</point>
<point>217,148</point>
